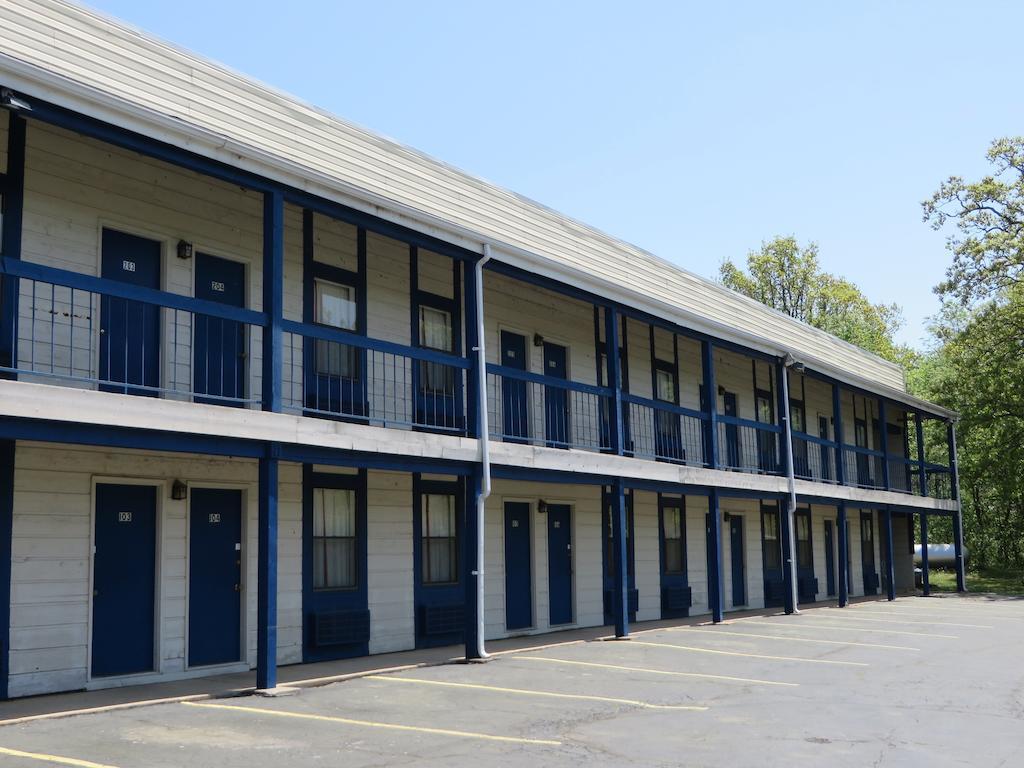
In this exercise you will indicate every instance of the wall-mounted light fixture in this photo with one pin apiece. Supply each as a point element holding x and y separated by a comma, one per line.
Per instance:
<point>10,101</point>
<point>542,507</point>
<point>184,249</point>
<point>538,340</point>
<point>721,390</point>
<point>179,491</point>
<point>726,516</point>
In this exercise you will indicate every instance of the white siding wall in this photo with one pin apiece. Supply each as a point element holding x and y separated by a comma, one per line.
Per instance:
<point>389,561</point>
<point>647,555</point>
<point>51,561</point>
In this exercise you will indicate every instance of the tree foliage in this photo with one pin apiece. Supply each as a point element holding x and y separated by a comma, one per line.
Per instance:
<point>790,279</point>
<point>987,217</point>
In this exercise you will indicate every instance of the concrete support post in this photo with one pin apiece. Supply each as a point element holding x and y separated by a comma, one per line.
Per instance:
<point>266,612</point>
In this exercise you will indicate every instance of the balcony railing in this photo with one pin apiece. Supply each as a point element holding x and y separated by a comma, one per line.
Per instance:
<point>663,431</point>
<point>748,446</point>
<point>525,407</point>
<point>97,333</point>
<point>335,374</point>
<point>814,458</point>
<point>862,467</point>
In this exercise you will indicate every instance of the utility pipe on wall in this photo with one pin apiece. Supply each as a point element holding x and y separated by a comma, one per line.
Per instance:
<point>483,437</point>
<point>787,434</point>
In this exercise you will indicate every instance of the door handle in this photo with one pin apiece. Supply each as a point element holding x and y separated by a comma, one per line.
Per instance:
<point>238,587</point>
<point>95,593</point>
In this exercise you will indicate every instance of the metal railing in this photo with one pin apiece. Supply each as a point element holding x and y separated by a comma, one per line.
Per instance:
<point>102,334</point>
<point>863,467</point>
<point>525,407</point>
<point>336,374</point>
<point>663,431</point>
<point>814,458</point>
<point>748,446</point>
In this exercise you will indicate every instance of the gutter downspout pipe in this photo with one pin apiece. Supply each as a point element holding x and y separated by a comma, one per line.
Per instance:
<point>485,456</point>
<point>788,363</point>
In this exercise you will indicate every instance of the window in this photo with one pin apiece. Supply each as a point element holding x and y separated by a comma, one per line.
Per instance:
<point>772,550</point>
<point>440,549</point>
<point>796,414</point>
<point>867,541</point>
<point>803,541</point>
<point>672,528</point>
<point>335,306</point>
<point>666,385</point>
<point>334,539</point>
<point>436,334</point>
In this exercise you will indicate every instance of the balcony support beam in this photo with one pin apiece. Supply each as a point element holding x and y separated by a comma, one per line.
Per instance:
<point>13,190</point>
<point>844,554</point>
<point>273,298</point>
<point>787,507</point>
<point>883,435</point>
<point>890,566</point>
<point>266,577</point>
<point>958,515</point>
<point>926,586</point>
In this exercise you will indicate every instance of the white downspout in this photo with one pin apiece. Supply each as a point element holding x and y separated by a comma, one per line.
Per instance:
<point>790,478</point>
<point>485,456</point>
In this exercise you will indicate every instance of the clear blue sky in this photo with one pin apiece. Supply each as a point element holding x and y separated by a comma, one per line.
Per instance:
<point>693,130</point>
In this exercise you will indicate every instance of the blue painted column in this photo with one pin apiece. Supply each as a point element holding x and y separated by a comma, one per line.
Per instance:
<point>266,577</point>
<point>844,555</point>
<point>958,515</point>
<point>922,473</point>
<point>890,566</point>
<point>620,596</point>
<point>716,586</point>
<point>883,431</point>
<point>707,355</point>
<point>926,587</point>
<point>7,448</point>
<point>273,298</point>
<point>837,433</point>
<point>10,246</point>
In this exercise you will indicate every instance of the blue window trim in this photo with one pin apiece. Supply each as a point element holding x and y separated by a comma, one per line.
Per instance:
<point>430,595</point>
<point>332,599</point>
<point>673,501</point>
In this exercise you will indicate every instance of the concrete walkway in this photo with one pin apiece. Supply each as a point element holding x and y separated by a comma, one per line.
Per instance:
<point>310,675</point>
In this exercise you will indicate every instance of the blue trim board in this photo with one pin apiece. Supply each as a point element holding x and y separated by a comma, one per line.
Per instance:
<point>10,245</point>
<point>266,578</point>
<point>273,298</point>
<point>7,449</point>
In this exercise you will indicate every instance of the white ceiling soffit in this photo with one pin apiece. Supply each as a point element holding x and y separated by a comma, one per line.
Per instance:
<point>105,69</point>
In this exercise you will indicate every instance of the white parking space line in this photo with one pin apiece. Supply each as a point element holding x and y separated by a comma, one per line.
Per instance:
<point>840,613</point>
<point>813,622</point>
<point>696,649</point>
<point>795,639</point>
<point>372,724</point>
<point>650,671</point>
<point>548,694</point>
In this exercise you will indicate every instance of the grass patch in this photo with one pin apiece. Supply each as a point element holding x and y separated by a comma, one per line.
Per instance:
<point>1000,582</point>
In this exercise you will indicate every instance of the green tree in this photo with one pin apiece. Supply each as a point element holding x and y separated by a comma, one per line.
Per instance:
<point>790,279</point>
<point>988,221</point>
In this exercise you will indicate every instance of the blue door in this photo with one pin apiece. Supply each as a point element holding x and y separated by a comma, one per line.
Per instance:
<point>129,329</point>
<point>807,585</point>
<point>609,560</point>
<point>738,563</point>
<point>867,553</point>
<point>557,429</point>
<point>675,592</point>
<point>732,435</point>
<point>514,406</point>
<point>214,577</point>
<point>559,564</point>
<point>771,547</point>
<point>518,578</point>
<point>830,561</point>
<point>218,347</point>
<point>124,580</point>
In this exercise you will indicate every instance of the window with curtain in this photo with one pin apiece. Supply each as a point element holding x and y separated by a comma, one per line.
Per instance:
<point>672,527</point>
<point>803,541</point>
<point>335,306</point>
<point>772,550</point>
<point>436,334</point>
<point>440,544</point>
<point>666,386</point>
<point>334,539</point>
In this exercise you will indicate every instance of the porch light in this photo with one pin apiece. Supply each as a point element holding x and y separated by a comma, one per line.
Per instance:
<point>9,100</point>
<point>538,340</point>
<point>542,507</point>
<point>179,491</point>
<point>184,249</point>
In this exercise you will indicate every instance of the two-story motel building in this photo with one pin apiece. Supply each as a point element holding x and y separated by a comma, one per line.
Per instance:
<point>260,366</point>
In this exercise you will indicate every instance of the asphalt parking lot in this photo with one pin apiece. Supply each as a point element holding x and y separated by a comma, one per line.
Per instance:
<point>919,682</point>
